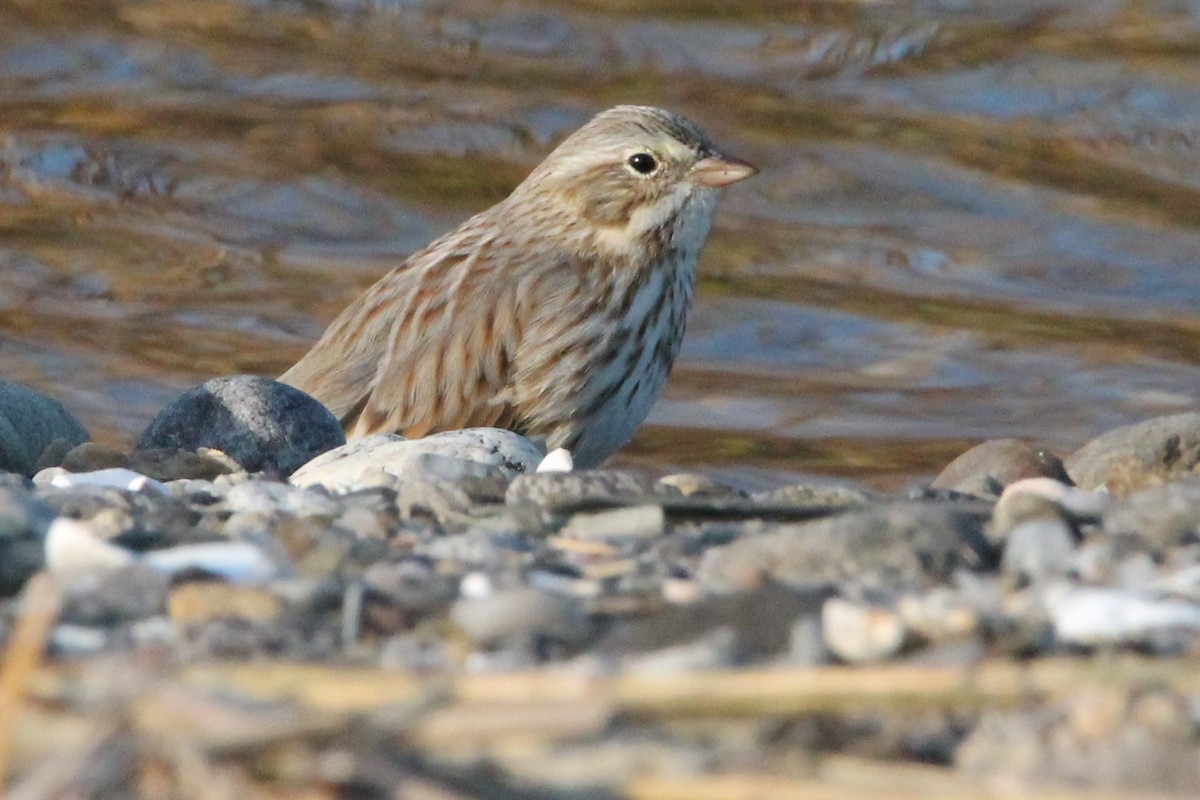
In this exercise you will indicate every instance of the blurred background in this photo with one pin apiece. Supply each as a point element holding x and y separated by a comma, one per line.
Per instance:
<point>974,219</point>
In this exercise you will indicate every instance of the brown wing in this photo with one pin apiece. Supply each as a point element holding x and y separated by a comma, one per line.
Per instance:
<point>425,349</point>
<point>448,355</point>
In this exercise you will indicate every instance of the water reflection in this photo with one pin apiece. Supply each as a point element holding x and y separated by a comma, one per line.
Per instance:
<point>974,220</point>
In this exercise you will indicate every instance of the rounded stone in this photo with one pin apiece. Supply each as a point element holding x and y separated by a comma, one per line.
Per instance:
<point>1003,461</point>
<point>1130,457</point>
<point>465,456</point>
<point>263,425</point>
<point>30,422</point>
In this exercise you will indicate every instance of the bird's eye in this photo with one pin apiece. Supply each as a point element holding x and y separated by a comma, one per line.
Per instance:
<point>642,163</point>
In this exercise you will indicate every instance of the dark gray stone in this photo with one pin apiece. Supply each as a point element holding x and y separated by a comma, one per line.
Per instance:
<point>263,425</point>
<point>23,524</point>
<point>29,423</point>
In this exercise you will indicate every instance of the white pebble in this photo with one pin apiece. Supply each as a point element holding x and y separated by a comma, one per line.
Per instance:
<point>557,461</point>
<point>71,546</point>
<point>1091,616</point>
<point>236,562</point>
<point>117,478</point>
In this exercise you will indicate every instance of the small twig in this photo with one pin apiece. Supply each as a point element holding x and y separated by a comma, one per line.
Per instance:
<point>40,606</point>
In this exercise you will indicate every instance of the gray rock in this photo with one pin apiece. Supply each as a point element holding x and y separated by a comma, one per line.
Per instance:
<point>520,617</point>
<point>474,454</point>
<point>29,423</point>
<point>1133,456</point>
<point>1163,517</point>
<point>1001,460</point>
<point>23,524</point>
<point>112,597</point>
<point>762,623</point>
<point>260,423</point>
<point>568,489</point>
<point>634,522</point>
<point>269,497</point>
<point>896,545</point>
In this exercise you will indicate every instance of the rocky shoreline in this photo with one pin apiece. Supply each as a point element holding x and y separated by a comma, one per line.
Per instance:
<point>246,606</point>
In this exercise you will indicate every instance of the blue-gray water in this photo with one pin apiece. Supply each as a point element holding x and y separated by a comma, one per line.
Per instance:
<point>974,219</point>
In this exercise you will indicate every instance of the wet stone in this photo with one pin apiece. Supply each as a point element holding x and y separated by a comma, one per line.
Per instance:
<point>30,422</point>
<point>261,424</point>
<point>91,456</point>
<point>999,461</point>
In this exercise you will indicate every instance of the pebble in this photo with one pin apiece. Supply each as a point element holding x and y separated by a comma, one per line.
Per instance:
<point>619,523</point>
<point>114,596</point>
<point>562,489</point>
<point>558,460</point>
<point>1093,616</point>
<point>116,478</point>
<point>72,546</point>
<point>861,632</point>
<point>31,422</point>
<point>450,456</point>
<point>520,617</point>
<point>236,562</point>
<point>263,425</point>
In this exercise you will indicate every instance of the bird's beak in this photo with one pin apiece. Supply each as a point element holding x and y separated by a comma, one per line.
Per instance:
<point>718,171</point>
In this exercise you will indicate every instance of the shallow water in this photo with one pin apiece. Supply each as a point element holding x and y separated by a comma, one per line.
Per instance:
<point>974,219</point>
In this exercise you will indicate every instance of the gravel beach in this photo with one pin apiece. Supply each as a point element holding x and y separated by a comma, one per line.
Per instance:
<point>437,618</point>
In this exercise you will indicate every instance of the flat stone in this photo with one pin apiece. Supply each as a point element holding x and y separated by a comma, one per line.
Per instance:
<point>644,521</point>
<point>30,422</point>
<point>566,489</point>
<point>260,423</point>
<point>1135,456</point>
<point>899,544</point>
<point>474,453</point>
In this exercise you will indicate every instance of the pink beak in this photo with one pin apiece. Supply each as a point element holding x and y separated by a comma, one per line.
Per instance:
<point>718,171</point>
